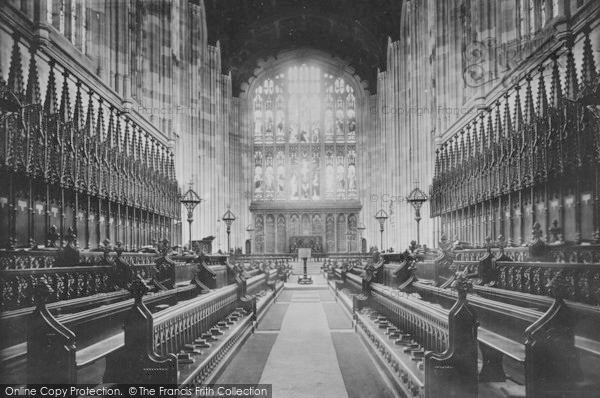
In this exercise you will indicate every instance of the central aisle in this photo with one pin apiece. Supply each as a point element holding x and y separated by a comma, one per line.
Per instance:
<point>303,361</point>
<point>305,346</point>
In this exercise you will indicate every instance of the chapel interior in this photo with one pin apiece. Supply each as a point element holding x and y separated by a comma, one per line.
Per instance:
<point>301,198</point>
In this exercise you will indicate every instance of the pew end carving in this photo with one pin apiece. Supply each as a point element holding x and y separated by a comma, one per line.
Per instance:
<point>138,360</point>
<point>551,360</point>
<point>405,274</point>
<point>453,373</point>
<point>48,338</point>
<point>164,269</point>
<point>205,275</point>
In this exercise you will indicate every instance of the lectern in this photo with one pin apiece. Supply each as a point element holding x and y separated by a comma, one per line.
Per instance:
<point>304,254</point>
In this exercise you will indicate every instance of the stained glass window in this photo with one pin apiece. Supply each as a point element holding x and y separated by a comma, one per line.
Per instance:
<point>304,136</point>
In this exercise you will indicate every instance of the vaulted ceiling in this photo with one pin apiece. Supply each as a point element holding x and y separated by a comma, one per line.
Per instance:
<point>353,30</point>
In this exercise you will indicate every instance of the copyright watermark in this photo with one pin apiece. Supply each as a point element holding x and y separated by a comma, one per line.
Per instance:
<point>420,111</point>
<point>395,293</point>
<point>169,110</point>
<point>387,198</point>
<point>139,391</point>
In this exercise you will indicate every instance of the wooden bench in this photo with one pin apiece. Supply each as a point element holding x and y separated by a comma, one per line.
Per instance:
<point>493,346</point>
<point>79,339</point>
<point>186,344</point>
<point>542,343</point>
<point>155,343</point>
<point>430,351</point>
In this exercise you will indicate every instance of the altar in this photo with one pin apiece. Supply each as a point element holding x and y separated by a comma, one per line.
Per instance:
<point>315,243</point>
<point>323,227</point>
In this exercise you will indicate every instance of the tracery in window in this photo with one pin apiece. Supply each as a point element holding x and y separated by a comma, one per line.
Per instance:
<point>70,19</point>
<point>542,13</point>
<point>521,18</point>
<point>531,17</point>
<point>61,17</point>
<point>49,11</point>
<point>304,136</point>
<point>73,22</point>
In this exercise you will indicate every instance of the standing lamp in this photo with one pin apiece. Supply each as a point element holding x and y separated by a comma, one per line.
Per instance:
<point>416,199</point>
<point>381,216</point>
<point>229,218</point>
<point>190,200</point>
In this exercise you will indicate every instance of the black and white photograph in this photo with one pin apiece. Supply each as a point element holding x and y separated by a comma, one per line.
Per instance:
<point>300,198</point>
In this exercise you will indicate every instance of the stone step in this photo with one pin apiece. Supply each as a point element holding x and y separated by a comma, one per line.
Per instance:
<point>202,343</point>
<point>216,331</point>
<point>418,355</point>
<point>192,348</point>
<point>223,325</point>
<point>412,347</point>
<point>403,339</point>
<point>184,358</point>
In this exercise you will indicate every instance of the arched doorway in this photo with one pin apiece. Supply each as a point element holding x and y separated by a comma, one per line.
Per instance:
<point>248,246</point>
<point>364,245</point>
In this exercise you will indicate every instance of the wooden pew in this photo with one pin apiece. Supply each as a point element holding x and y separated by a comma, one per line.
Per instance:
<point>94,330</point>
<point>543,343</point>
<point>88,273</point>
<point>498,276</point>
<point>429,351</point>
<point>152,341</point>
<point>185,345</point>
<point>75,289</point>
<point>81,338</point>
<point>525,284</point>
